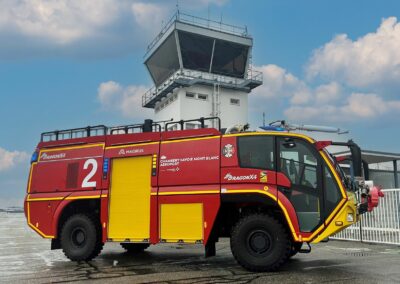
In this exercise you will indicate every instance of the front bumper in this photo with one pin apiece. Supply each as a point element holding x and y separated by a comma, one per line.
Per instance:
<point>346,217</point>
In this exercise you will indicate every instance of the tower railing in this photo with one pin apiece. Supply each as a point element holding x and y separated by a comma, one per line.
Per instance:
<point>252,75</point>
<point>183,17</point>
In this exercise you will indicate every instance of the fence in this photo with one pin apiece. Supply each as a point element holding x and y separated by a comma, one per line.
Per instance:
<point>382,225</point>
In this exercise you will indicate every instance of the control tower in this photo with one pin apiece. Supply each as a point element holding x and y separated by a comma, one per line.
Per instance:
<point>200,68</point>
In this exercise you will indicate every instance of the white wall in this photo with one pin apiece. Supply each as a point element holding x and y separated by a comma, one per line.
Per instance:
<point>191,108</point>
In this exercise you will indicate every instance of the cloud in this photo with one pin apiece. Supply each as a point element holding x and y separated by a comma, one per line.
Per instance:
<point>357,106</point>
<point>83,28</point>
<point>9,159</point>
<point>371,60</point>
<point>282,93</point>
<point>149,15</point>
<point>279,83</point>
<point>125,100</point>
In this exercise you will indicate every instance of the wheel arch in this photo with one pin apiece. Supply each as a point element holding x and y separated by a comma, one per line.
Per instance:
<point>68,208</point>
<point>234,206</point>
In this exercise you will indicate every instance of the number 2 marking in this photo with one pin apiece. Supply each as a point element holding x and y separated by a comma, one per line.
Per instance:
<point>86,181</point>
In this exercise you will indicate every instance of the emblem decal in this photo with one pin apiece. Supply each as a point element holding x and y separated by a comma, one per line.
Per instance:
<point>228,151</point>
<point>263,176</point>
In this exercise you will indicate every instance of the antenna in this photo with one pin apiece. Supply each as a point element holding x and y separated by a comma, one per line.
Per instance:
<point>263,119</point>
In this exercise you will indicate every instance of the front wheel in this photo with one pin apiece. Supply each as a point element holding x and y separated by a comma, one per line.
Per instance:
<point>260,243</point>
<point>80,238</point>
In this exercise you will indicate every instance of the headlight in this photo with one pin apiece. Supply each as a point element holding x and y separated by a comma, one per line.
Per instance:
<point>350,217</point>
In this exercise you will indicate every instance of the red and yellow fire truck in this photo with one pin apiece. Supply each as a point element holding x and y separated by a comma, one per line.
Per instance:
<point>269,192</point>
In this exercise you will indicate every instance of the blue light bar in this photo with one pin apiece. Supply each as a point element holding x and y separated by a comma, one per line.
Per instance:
<point>272,128</point>
<point>34,157</point>
<point>105,166</point>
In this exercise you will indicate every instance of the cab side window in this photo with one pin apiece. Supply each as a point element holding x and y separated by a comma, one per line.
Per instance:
<point>256,152</point>
<point>298,163</point>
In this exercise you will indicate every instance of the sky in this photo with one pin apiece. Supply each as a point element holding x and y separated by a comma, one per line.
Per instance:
<point>66,64</point>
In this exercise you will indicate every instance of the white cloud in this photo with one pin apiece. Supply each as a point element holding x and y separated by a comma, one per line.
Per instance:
<point>357,106</point>
<point>125,100</point>
<point>83,27</point>
<point>371,60</point>
<point>9,159</point>
<point>149,15</point>
<point>277,82</point>
<point>61,22</point>
<point>327,93</point>
<point>284,93</point>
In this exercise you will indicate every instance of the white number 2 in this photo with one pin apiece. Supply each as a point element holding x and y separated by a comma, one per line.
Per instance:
<point>86,181</point>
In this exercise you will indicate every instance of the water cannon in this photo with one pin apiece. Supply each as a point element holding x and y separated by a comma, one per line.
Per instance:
<point>281,125</point>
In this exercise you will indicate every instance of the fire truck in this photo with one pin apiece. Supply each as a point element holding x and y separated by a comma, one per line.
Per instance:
<point>271,192</point>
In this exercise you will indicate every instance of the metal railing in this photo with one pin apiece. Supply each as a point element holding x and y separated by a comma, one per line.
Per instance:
<point>180,16</point>
<point>251,75</point>
<point>382,225</point>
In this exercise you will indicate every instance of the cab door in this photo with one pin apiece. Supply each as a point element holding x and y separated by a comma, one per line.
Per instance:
<point>302,165</point>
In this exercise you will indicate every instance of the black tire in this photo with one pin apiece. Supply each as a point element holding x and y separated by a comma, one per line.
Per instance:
<point>134,248</point>
<point>295,248</point>
<point>80,238</point>
<point>260,243</point>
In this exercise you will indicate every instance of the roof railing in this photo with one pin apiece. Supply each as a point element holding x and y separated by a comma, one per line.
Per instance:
<point>183,17</point>
<point>102,130</point>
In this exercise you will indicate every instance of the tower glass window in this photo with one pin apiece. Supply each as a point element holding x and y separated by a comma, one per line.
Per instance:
<point>196,51</point>
<point>229,59</point>
<point>164,61</point>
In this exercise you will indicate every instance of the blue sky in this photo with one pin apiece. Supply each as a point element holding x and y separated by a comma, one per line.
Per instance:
<point>75,63</point>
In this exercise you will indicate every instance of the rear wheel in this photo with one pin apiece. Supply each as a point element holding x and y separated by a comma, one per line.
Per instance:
<point>134,248</point>
<point>260,243</point>
<point>80,238</point>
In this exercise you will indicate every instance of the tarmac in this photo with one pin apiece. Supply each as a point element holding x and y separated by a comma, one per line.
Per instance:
<point>26,258</point>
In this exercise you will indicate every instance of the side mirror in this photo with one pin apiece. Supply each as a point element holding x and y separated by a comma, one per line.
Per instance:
<point>356,158</point>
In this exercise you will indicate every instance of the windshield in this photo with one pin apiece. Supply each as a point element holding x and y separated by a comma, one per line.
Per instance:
<point>338,168</point>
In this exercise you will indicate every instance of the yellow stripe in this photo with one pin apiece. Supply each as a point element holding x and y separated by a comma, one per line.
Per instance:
<point>104,195</point>
<point>186,192</point>
<point>272,133</point>
<point>45,199</point>
<point>33,227</point>
<point>82,197</point>
<point>72,147</point>
<point>339,182</point>
<point>131,145</point>
<point>189,139</point>
<point>275,199</point>
<point>30,176</point>
<point>67,198</point>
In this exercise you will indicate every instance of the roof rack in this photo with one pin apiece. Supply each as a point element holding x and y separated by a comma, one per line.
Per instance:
<point>98,130</point>
<point>129,129</point>
<point>201,120</point>
<point>102,130</point>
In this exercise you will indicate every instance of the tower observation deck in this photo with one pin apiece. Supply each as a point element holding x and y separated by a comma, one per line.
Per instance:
<point>200,68</point>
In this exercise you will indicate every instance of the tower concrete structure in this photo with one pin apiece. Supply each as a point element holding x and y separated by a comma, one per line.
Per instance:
<point>200,68</point>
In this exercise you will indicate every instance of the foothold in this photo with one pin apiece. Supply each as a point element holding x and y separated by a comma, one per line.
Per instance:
<point>115,262</point>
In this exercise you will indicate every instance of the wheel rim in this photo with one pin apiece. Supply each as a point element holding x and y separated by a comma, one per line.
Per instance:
<point>259,242</point>
<point>78,237</point>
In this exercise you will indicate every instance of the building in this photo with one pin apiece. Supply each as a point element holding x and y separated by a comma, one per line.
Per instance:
<point>200,68</point>
<point>383,167</point>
